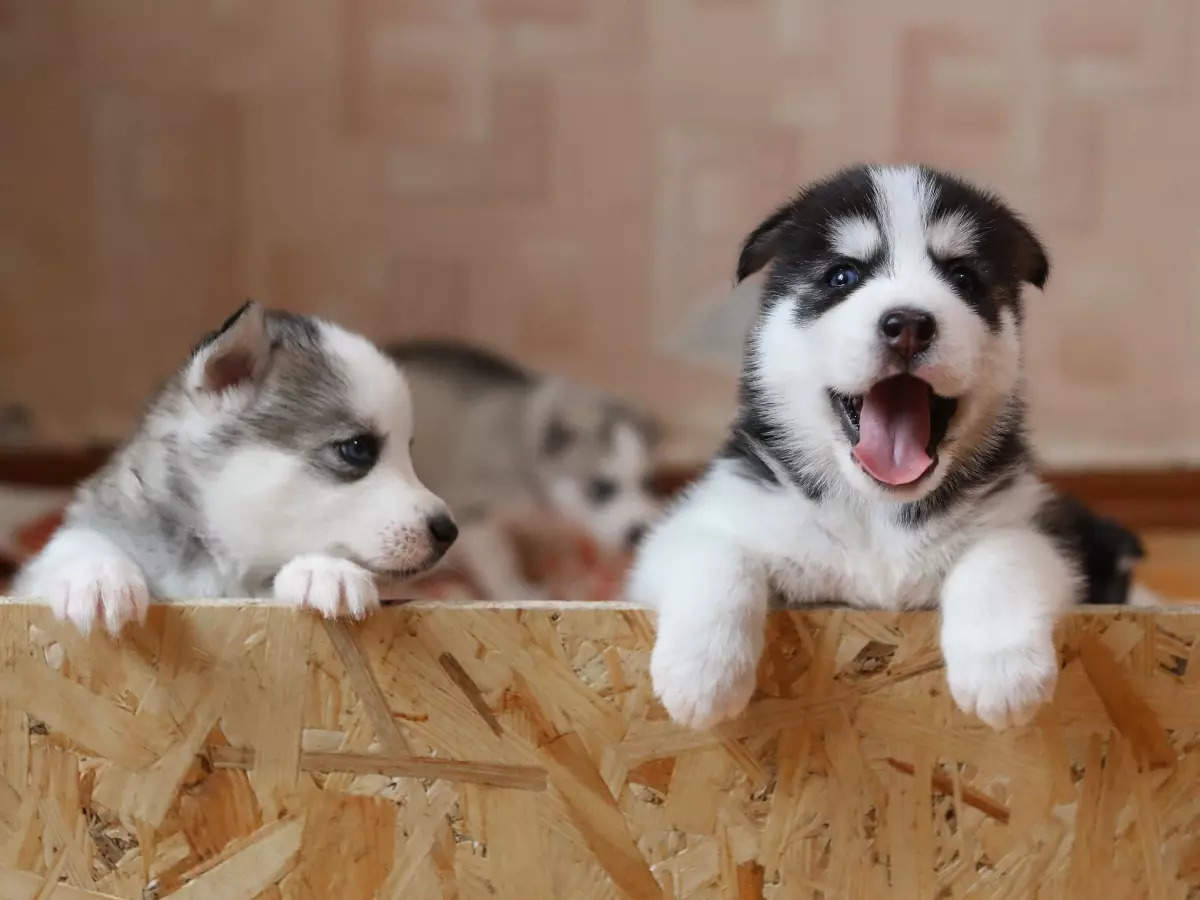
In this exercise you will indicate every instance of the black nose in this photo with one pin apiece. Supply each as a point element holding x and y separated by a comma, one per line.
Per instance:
<point>634,535</point>
<point>908,331</point>
<point>443,531</point>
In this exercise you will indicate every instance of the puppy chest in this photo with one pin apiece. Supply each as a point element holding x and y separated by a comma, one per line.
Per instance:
<point>883,568</point>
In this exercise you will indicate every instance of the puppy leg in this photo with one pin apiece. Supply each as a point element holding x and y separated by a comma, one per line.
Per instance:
<point>333,587</point>
<point>82,575</point>
<point>490,557</point>
<point>999,604</point>
<point>712,604</point>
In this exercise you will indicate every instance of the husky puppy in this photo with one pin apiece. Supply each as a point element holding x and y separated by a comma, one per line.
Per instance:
<point>500,442</point>
<point>276,460</point>
<point>879,455</point>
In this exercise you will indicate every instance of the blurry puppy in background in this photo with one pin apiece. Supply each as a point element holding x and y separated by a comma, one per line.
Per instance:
<point>505,445</point>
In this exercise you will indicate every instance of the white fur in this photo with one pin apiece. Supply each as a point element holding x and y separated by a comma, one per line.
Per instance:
<point>998,604</point>
<point>840,350</point>
<point>331,586</point>
<point>268,522</point>
<point>709,566</point>
<point>82,576</point>
<point>855,237</point>
<point>952,236</point>
<point>380,520</point>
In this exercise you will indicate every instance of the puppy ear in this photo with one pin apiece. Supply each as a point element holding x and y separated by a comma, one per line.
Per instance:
<point>232,358</point>
<point>1033,265</point>
<point>762,243</point>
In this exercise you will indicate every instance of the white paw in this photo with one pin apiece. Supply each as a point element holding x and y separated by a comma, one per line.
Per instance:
<point>111,588</point>
<point>1003,686</point>
<point>705,673</point>
<point>333,587</point>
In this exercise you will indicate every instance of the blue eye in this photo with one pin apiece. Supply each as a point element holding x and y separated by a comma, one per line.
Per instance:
<point>360,451</point>
<point>842,277</point>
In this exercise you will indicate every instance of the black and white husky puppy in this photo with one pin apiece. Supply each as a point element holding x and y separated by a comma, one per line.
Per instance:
<point>879,455</point>
<point>275,461</point>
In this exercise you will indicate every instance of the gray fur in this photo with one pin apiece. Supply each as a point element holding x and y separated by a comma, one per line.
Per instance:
<point>145,499</point>
<point>492,434</point>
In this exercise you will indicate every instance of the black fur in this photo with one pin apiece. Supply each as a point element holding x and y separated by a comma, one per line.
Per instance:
<point>1103,549</point>
<point>477,362</point>
<point>988,471</point>
<point>754,434</point>
<point>796,240</point>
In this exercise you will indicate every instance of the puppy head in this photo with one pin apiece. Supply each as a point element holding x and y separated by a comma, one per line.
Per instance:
<point>888,340</point>
<point>594,460</point>
<point>295,439</point>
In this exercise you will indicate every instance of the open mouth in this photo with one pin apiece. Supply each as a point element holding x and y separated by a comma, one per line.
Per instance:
<point>895,428</point>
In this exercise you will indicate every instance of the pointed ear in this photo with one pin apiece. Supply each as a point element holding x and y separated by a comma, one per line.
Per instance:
<point>762,243</point>
<point>1033,265</point>
<point>233,357</point>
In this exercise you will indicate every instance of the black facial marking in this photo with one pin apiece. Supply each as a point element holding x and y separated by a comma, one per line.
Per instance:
<point>797,241</point>
<point>754,435</point>
<point>1103,550</point>
<point>799,229</point>
<point>1005,253</point>
<point>307,410</point>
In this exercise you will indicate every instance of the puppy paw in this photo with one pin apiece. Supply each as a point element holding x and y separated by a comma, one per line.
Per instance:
<point>704,675</point>
<point>333,587</point>
<point>1003,686</point>
<point>110,588</point>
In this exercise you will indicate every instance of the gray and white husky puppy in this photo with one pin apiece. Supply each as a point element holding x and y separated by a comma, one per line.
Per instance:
<point>501,442</point>
<point>879,455</point>
<point>275,461</point>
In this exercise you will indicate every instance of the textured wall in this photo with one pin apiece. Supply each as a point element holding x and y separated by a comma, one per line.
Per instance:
<point>569,179</point>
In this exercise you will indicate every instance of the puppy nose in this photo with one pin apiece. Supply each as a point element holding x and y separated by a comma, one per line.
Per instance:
<point>443,531</point>
<point>908,331</point>
<point>634,535</point>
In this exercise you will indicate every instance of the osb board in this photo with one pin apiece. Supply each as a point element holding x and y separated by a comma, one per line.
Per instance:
<point>225,752</point>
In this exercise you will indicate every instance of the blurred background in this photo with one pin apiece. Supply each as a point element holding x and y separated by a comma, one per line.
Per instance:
<point>568,181</point>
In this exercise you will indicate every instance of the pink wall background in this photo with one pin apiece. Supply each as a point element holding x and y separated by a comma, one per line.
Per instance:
<point>569,180</point>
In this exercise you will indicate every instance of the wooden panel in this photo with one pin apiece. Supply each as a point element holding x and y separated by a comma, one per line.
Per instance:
<point>238,752</point>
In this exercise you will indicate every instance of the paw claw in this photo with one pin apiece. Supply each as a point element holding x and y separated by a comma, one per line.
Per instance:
<point>111,590</point>
<point>335,588</point>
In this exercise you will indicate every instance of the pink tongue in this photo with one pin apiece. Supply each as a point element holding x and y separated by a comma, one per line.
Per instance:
<point>894,430</point>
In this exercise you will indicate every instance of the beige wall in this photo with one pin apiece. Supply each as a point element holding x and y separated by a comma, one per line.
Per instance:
<point>569,179</point>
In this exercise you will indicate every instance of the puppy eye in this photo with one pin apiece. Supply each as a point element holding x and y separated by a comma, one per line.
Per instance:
<point>964,278</point>
<point>601,490</point>
<point>360,451</point>
<point>842,277</point>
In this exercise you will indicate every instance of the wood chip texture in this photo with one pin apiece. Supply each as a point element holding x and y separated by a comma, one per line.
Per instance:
<point>239,752</point>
